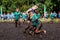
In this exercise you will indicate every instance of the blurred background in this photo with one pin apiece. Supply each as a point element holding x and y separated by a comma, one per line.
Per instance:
<point>44,6</point>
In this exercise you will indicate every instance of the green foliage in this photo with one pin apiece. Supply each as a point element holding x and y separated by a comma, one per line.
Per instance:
<point>11,5</point>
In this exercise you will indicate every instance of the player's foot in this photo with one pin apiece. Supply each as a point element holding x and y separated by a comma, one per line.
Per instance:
<point>31,33</point>
<point>24,31</point>
<point>45,32</point>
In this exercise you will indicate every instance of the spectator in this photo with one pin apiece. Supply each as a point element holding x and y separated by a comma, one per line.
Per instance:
<point>24,16</point>
<point>52,16</point>
<point>0,16</point>
<point>46,15</point>
<point>12,14</point>
<point>8,15</point>
<point>55,14</point>
<point>59,15</point>
<point>5,16</point>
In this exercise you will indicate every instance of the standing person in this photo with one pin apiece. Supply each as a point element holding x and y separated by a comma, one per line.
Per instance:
<point>52,16</point>
<point>17,17</point>
<point>0,16</point>
<point>55,14</point>
<point>12,14</point>
<point>8,16</point>
<point>24,17</point>
<point>46,15</point>
<point>59,15</point>
<point>5,16</point>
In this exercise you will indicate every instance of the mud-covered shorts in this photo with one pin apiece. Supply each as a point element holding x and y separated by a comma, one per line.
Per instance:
<point>37,24</point>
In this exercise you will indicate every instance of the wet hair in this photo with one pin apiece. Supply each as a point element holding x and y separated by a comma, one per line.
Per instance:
<point>29,11</point>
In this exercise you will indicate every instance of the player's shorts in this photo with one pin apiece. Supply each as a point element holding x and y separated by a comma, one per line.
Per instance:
<point>29,19</point>
<point>38,25</point>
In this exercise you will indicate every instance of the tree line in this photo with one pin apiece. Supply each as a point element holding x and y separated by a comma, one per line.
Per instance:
<point>11,5</point>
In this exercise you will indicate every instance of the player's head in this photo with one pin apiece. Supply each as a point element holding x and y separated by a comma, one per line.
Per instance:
<point>29,12</point>
<point>17,9</point>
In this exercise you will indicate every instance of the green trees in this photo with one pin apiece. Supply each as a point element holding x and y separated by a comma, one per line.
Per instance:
<point>11,5</point>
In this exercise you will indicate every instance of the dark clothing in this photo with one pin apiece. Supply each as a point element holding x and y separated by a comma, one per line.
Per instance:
<point>29,19</point>
<point>16,21</point>
<point>17,17</point>
<point>38,26</point>
<point>4,17</point>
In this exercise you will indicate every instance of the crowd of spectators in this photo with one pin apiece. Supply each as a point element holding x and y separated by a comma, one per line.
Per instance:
<point>9,16</point>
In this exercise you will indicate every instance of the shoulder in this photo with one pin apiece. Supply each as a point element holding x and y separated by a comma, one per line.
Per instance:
<point>34,13</point>
<point>14,12</point>
<point>38,13</point>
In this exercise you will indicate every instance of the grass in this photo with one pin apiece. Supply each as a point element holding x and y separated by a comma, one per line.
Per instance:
<point>48,20</point>
<point>44,20</point>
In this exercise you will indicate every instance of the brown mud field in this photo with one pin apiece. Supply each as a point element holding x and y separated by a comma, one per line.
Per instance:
<point>8,31</point>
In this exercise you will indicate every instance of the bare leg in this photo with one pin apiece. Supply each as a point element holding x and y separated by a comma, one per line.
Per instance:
<point>39,31</point>
<point>27,27</point>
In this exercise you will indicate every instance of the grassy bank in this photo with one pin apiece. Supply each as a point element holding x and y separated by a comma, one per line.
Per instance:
<point>44,20</point>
